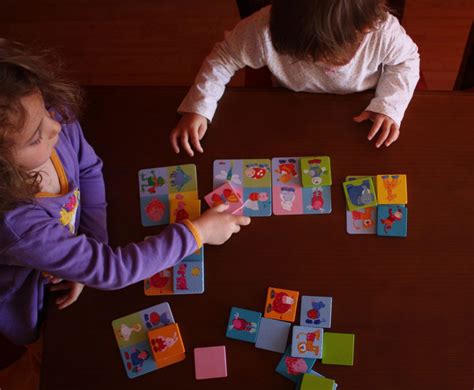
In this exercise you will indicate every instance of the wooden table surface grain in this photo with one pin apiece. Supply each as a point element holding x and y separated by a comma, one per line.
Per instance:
<point>408,301</point>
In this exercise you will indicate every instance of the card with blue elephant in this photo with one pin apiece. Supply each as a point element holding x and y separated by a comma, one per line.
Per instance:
<point>131,333</point>
<point>162,187</point>
<point>360,193</point>
<point>290,196</point>
<point>251,179</point>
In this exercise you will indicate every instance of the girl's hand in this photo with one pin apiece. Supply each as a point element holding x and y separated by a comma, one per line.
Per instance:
<point>390,131</point>
<point>71,296</point>
<point>190,127</point>
<point>51,278</point>
<point>216,226</point>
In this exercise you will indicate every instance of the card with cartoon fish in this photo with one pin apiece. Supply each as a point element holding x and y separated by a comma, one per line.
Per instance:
<point>290,197</point>
<point>131,333</point>
<point>159,186</point>
<point>252,179</point>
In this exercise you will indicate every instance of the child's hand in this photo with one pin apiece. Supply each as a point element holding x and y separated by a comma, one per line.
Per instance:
<point>71,296</point>
<point>190,127</point>
<point>390,131</point>
<point>216,226</point>
<point>51,278</point>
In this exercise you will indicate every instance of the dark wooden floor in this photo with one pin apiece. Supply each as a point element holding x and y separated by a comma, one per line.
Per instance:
<point>145,42</point>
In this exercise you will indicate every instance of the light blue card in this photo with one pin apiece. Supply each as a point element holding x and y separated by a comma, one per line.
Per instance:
<point>316,311</point>
<point>273,335</point>
<point>307,342</point>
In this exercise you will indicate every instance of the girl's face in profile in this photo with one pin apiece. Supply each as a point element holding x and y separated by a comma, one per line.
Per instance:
<point>39,135</point>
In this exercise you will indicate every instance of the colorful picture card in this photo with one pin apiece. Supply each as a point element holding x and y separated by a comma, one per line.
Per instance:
<point>360,193</point>
<point>362,221</point>
<point>158,187</point>
<point>181,209</point>
<point>243,324</point>
<point>225,194</point>
<point>281,304</point>
<point>316,171</point>
<point>316,311</point>
<point>186,277</point>
<point>392,189</point>
<point>307,342</point>
<point>131,333</point>
<point>290,196</point>
<point>292,367</point>
<point>166,345</point>
<point>392,220</point>
<point>252,179</point>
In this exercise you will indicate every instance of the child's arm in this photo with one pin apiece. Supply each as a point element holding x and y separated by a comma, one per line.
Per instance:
<point>48,246</point>
<point>241,47</point>
<point>400,74</point>
<point>93,217</point>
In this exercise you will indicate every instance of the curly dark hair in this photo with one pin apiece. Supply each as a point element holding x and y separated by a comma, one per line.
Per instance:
<point>323,30</point>
<point>22,73</point>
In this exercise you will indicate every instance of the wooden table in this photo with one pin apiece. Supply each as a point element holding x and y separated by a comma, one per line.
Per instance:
<point>408,301</point>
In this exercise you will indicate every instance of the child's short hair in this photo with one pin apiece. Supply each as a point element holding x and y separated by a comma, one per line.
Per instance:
<point>322,30</point>
<point>22,73</point>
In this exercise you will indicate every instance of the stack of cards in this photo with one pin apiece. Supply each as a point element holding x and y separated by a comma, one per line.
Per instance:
<point>376,209</point>
<point>148,340</point>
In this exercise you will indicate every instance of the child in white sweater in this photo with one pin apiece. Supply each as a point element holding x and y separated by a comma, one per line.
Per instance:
<point>332,46</point>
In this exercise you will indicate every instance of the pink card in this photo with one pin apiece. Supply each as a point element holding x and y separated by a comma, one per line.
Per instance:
<point>210,362</point>
<point>226,193</point>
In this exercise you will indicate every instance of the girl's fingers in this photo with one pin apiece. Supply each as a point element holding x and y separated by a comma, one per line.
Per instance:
<point>62,299</point>
<point>220,208</point>
<point>195,141</point>
<point>242,221</point>
<point>236,228</point>
<point>185,144</point>
<point>384,134</point>
<point>202,130</point>
<point>394,134</point>
<point>375,127</point>
<point>60,287</point>
<point>67,302</point>
<point>363,116</point>
<point>174,140</point>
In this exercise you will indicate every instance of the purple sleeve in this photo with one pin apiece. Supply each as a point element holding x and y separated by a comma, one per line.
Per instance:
<point>93,216</point>
<point>83,259</point>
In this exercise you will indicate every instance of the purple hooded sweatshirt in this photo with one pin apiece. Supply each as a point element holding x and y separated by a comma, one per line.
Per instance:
<point>65,235</point>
